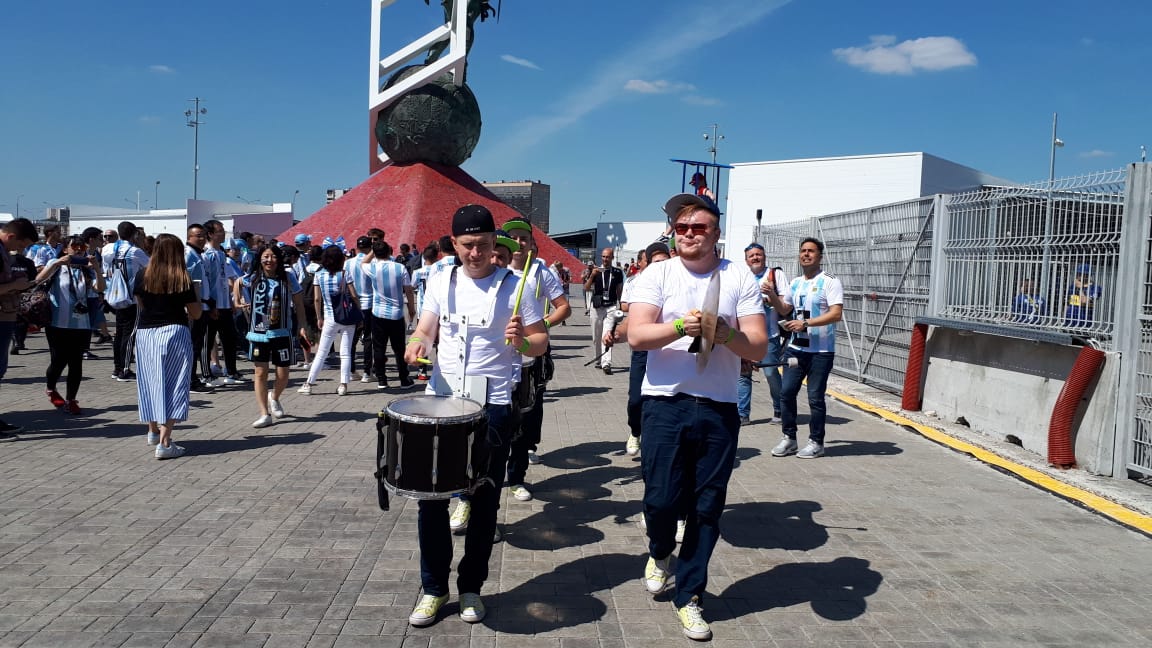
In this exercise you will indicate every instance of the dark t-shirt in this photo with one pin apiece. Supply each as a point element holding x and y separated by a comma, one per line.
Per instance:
<point>162,309</point>
<point>18,267</point>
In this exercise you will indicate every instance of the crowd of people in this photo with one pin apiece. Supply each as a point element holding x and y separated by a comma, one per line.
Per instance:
<point>470,315</point>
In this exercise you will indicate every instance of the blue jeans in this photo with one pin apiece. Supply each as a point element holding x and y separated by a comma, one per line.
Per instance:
<point>432,519</point>
<point>636,371</point>
<point>687,451</point>
<point>772,374</point>
<point>815,367</point>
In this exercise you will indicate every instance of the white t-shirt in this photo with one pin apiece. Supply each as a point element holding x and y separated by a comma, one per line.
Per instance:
<point>781,290</point>
<point>488,356</point>
<point>675,290</point>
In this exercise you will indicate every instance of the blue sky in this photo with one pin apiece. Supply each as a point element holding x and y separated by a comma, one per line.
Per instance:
<point>592,97</point>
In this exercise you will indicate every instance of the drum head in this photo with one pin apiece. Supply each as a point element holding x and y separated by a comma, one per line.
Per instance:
<point>428,408</point>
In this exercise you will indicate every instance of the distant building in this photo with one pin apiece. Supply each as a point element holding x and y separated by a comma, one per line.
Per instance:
<point>532,199</point>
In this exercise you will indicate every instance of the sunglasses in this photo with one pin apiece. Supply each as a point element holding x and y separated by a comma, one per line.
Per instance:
<point>698,229</point>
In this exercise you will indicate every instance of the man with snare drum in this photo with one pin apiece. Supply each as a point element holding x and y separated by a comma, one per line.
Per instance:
<point>472,307</point>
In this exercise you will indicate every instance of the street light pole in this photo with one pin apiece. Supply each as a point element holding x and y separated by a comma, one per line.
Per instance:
<point>294,194</point>
<point>1045,270</point>
<point>156,198</point>
<point>193,116</point>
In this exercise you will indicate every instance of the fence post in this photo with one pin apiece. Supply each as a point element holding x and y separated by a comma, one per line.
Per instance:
<point>938,268</point>
<point>1130,290</point>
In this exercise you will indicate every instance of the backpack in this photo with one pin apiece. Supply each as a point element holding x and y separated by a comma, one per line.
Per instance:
<point>309,298</point>
<point>117,293</point>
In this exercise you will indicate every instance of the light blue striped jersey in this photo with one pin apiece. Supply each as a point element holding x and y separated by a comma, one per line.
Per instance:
<point>216,272</point>
<point>354,267</point>
<point>195,264</point>
<point>420,282</point>
<point>812,298</point>
<point>388,280</point>
<point>71,286</point>
<point>330,285</point>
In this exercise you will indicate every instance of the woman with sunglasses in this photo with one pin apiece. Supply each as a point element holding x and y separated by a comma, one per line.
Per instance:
<point>72,282</point>
<point>266,295</point>
<point>165,301</point>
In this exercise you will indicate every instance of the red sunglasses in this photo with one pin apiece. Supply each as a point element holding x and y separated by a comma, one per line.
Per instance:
<point>698,229</point>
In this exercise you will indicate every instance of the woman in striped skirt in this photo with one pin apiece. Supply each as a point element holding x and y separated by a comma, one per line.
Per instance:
<point>165,302</point>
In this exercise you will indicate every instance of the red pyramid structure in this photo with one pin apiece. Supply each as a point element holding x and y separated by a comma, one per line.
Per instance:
<point>413,203</point>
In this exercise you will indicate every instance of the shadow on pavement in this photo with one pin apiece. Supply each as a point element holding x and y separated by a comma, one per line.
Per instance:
<point>222,446</point>
<point>773,525</point>
<point>836,590</point>
<point>552,395</point>
<point>584,455</point>
<point>744,454</point>
<point>861,448</point>
<point>581,487</point>
<point>561,598</point>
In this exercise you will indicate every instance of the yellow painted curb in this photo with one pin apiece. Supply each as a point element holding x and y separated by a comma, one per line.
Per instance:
<point>1104,507</point>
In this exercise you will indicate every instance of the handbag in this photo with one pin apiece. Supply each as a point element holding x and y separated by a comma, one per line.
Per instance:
<point>345,309</point>
<point>35,307</point>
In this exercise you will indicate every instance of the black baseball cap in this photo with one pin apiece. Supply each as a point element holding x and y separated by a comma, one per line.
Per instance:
<point>472,219</point>
<point>677,202</point>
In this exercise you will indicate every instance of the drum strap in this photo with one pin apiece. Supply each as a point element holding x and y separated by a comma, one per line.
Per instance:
<point>458,381</point>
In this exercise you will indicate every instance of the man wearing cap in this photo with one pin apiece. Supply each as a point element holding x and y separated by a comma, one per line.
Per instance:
<point>545,289</point>
<point>691,425</point>
<point>1082,296</point>
<point>391,289</point>
<point>768,280</point>
<point>605,283</point>
<point>481,340</point>
<point>354,267</point>
<point>304,246</point>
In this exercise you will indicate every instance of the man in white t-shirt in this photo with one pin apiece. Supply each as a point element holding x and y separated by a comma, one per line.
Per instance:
<point>816,299</point>
<point>691,425</point>
<point>481,339</point>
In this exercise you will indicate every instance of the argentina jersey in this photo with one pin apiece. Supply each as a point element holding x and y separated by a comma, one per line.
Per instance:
<point>388,280</point>
<point>812,298</point>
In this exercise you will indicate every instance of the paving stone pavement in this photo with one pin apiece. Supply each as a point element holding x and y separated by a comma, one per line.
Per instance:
<point>272,537</point>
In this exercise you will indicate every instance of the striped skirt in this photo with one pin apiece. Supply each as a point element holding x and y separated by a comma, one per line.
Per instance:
<point>163,372</point>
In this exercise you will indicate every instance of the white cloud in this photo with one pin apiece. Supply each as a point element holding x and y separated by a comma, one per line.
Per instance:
<point>883,55</point>
<point>657,87</point>
<point>161,69</point>
<point>1096,153</point>
<point>669,40</point>
<point>697,100</point>
<point>516,60</point>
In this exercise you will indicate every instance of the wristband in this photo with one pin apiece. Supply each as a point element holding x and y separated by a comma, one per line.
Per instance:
<point>524,346</point>
<point>547,324</point>
<point>414,339</point>
<point>678,324</point>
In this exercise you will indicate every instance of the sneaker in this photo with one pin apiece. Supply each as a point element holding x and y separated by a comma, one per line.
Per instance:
<point>533,458</point>
<point>216,382</point>
<point>276,409</point>
<point>786,447</point>
<point>55,397</point>
<point>460,515</point>
<point>125,376</point>
<point>607,370</point>
<point>520,493</point>
<point>153,438</point>
<point>383,384</point>
<point>73,408</point>
<point>306,388</point>
<point>365,378</point>
<point>656,574</point>
<point>217,370</point>
<point>408,382</point>
<point>264,421</point>
<point>775,420</point>
<point>232,380</point>
<point>811,451</point>
<point>342,390</point>
<point>680,526</point>
<point>88,355</point>
<point>632,447</point>
<point>471,608</point>
<point>692,621</point>
<point>170,452</point>
<point>198,387</point>
<point>426,609</point>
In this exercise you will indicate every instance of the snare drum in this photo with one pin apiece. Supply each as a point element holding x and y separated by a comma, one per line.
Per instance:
<point>432,447</point>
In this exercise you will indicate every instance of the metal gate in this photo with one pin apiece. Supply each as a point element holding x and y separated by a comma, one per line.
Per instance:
<point>1134,326</point>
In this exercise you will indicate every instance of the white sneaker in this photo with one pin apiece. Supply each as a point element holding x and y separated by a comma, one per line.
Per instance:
<point>460,515</point>
<point>306,388</point>
<point>153,438</point>
<point>341,390</point>
<point>471,608</point>
<point>427,607</point>
<point>275,408</point>
<point>632,448</point>
<point>784,448</point>
<point>229,380</point>
<point>264,421</point>
<point>365,378</point>
<point>680,526</point>
<point>217,370</point>
<point>170,452</point>
<point>811,451</point>
<point>520,493</point>
<point>692,622</point>
<point>775,420</point>
<point>656,574</point>
<point>215,382</point>
<point>533,458</point>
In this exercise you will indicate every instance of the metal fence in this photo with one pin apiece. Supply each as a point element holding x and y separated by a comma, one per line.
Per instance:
<point>1133,327</point>
<point>882,255</point>
<point>1040,256</point>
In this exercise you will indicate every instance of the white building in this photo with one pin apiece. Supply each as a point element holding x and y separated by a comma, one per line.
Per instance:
<point>627,238</point>
<point>266,220</point>
<point>789,190</point>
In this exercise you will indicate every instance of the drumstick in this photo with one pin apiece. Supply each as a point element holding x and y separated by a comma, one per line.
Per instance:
<point>423,361</point>
<point>520,290</point>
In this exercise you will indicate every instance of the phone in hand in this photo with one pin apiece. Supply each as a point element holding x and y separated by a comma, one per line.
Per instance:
<point>79,260</point>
